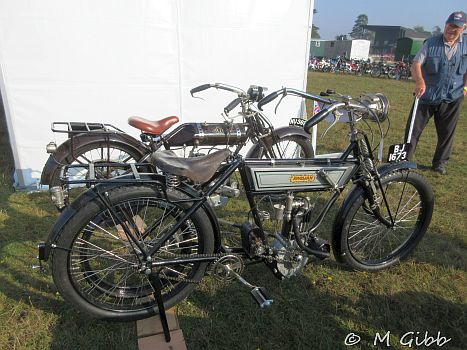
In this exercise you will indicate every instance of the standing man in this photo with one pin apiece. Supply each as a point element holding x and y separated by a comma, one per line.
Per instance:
<point>439,70</point>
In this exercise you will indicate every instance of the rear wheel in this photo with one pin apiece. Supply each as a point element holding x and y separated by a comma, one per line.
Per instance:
<point>366,243</point>
<point>98,267</point>
<point>98,152</point>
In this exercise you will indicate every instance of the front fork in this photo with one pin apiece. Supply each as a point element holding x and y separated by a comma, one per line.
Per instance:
<point>372,196</point>
<point>370,182</point>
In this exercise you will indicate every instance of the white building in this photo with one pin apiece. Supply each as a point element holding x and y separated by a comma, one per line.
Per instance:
<point>353,49</point>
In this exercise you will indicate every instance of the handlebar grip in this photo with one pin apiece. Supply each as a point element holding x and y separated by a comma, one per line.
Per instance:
<point>268,99</point>
<point>315,120</point>
<point>200,88</point>
<point>232,105</point>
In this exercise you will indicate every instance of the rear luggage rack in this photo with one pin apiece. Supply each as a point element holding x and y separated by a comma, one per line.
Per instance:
<point>126,173</point>
<point>73,128</point>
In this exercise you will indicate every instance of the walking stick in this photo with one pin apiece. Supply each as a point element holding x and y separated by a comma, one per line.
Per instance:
<point>415,105</point>
<point>401,152</point>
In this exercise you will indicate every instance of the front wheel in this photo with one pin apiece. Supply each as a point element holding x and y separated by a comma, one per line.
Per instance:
<point>365,243</point>
<point>97,266</point>
<point>287,147</point>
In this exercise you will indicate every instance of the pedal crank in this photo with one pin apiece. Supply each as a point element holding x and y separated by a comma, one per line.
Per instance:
<point>230,265</point>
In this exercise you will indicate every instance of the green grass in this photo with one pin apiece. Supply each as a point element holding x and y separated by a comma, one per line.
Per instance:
<point>313,311</point>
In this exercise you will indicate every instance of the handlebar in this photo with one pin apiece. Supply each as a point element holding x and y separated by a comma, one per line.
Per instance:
<point>318,117</point>
<point>219,86</point>
<point>232,105</point>
<point>321,115</point>
<point>269,98</point>
<point>286,91</point>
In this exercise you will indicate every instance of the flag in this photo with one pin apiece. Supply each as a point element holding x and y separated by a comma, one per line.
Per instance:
<point>316,107</point>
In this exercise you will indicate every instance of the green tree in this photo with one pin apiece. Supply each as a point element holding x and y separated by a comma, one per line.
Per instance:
<point>341,37</point>
<point>436,30</point>
<point>315,29</point>
<point>358,32</point>
<point>420,29</point>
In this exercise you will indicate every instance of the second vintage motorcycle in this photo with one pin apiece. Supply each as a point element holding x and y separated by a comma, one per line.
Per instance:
<point>96,143</point>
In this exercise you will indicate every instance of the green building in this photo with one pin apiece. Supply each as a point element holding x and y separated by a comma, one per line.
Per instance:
<point>317,48</point>
<point>407,48</point>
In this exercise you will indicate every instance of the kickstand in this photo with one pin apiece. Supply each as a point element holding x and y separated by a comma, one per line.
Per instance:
<point>157,286</point>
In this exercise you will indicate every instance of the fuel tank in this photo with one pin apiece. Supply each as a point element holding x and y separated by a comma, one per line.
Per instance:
<point>207,134</point>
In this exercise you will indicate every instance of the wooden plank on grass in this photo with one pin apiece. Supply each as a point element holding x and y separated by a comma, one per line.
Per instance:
<point>151,334</point>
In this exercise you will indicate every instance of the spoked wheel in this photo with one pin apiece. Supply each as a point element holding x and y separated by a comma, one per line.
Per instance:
<point>375,72</point>
<point>97,153</point>
<point>366,243</point>
<point>289,147</point>
<point>98,267</point>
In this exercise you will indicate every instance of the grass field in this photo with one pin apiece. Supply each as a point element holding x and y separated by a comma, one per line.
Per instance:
<point>316,310</point>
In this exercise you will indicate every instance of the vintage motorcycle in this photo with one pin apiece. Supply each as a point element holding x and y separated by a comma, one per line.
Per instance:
<point>96,143</point>
<point>131,246</point>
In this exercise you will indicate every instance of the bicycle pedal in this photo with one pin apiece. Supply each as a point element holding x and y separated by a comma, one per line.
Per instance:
<point>41,268</point>
<point>261,296</point>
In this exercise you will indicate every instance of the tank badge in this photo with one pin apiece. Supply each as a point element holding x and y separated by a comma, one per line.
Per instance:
<point>303,178</point>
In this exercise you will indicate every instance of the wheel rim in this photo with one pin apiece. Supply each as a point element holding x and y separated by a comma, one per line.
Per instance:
<point>97,156</point>
<point>288,149</point>
<point>104,264</point>
<point>372,243</point>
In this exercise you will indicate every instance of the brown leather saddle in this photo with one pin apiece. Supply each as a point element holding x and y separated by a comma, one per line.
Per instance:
<point>152,127</point>
<point>198,169</point>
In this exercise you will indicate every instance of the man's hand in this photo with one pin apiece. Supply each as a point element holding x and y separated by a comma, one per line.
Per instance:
<point>420,88</point>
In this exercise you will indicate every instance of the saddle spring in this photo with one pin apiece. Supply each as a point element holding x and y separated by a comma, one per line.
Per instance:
<point>172,180</point>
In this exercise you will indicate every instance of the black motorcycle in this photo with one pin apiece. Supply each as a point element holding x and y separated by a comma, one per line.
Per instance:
<point>131,246</point>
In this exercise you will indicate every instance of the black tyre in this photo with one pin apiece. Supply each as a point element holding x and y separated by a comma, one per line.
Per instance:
<point>97,266</point>
<point>405,74</point>
<point>375,72</point>
<point>393,74</point>
<point>367,244</point>
<point>293,146</point>
<point>97,152</point>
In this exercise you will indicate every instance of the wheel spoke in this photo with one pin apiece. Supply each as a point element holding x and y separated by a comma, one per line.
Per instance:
<point>373,243</point>
<point>106,271</point>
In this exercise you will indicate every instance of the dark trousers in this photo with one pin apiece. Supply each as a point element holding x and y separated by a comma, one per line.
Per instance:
<point>446,115</point>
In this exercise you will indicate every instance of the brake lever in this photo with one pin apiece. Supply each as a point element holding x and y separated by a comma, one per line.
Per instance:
<point>337,116</point>
<point>278,103</point>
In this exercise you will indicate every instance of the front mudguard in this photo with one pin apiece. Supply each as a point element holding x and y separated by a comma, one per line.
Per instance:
<point>279,133</point>
<point>63,154</point>
<point>353,194</point>
<point>91,194</point>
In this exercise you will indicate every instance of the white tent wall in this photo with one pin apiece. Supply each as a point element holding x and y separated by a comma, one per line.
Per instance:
<point>103,61</point>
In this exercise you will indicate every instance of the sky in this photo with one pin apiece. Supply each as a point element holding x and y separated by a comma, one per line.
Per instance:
<point>337,17</point>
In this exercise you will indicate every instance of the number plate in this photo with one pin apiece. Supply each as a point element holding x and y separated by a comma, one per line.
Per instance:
<point>297,122</point>
<point>398,153</point>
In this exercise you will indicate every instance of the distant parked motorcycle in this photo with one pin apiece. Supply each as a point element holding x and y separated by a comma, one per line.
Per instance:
<point>379,69</point>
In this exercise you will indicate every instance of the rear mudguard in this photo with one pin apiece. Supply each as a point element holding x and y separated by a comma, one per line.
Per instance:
<point>353,194</point>
<point>63,153</point>
<point>90,195</point>
<point>281,132</point>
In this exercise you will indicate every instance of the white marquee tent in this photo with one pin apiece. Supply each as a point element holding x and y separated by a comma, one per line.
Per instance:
<point>103,61</point>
